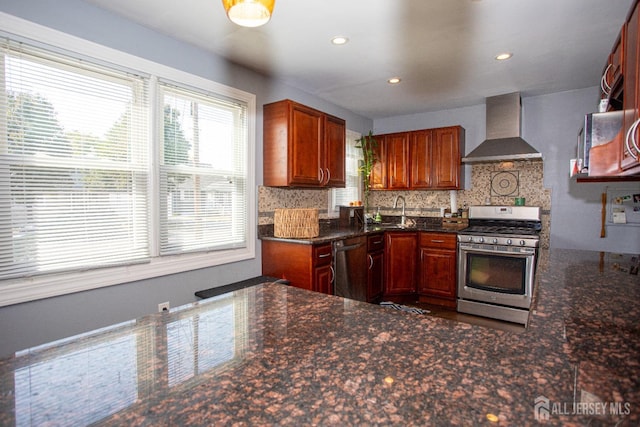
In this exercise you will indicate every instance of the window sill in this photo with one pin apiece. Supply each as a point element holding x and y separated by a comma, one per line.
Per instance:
<point>46,286</point>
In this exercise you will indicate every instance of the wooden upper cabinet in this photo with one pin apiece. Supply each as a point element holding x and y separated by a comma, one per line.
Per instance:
<point>620,157</point>
<point>421,155</point>
<point>428,159</point>
<point>334,153</point>
<point>397,146</point>
<point>447,166</point>
<point>303,147</point>
<point>612,73</point>
<point>378,179</point>
<point>630,150</point>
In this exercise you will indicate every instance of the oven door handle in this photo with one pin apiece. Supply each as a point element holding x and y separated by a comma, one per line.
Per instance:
<point>530,252</point>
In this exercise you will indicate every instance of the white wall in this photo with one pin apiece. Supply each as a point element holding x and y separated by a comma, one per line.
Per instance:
<point>550,123</point>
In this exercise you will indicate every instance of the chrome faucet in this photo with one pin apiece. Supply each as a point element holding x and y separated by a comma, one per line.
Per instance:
<point>403,218</point>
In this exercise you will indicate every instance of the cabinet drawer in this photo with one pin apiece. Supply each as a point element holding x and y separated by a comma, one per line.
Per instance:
<point>438,240</point>
<point>375,243</point>
<point>322,254</point>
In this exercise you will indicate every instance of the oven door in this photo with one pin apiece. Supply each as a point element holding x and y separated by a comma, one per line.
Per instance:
<point>500,275</point>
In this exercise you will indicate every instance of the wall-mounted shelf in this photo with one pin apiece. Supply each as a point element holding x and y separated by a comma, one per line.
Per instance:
<point>587,178</point>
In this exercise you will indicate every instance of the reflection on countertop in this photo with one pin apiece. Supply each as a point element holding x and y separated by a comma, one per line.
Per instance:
<point>277,355</point>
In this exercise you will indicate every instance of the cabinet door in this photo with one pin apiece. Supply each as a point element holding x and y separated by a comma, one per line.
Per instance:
<point>378,179</point>
<point>400,262</point>
<point>305,159</point>
<point>437,273</point>
<point>612,71</point>
<point>397,160</point>
<point>291,261</point>
<point>629,154</point>
<point>334,152</point>
<point>323,279</point>
<point>446,158</point>
<point>375,276</point>
<point>421,155</point>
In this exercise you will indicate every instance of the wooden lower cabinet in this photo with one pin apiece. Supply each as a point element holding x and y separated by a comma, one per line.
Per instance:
<point>305,266</point>
<point>403,266</point>
<point>375,271</point>
<point>323,279</point>
<point>438,268</point>
<point>400,263</point>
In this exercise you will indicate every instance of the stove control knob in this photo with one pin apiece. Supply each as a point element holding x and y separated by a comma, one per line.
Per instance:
<point>509,241</point>
<point>494,241</point>
<point>470,239</point>
<point>522,243</point>
<point>480,239</point>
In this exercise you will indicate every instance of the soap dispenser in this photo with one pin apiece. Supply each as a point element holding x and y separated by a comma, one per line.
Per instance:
<point>378,217</point>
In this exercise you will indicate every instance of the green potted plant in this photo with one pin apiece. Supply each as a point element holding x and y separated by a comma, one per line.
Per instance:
<point>368,144</point>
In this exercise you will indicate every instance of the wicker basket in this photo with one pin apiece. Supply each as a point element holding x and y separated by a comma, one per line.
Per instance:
<point>298,223</point>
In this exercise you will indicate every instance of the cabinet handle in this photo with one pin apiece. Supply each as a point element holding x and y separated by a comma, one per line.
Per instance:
<point>328,175</point>
<point>333,274</point>
<point>604,85</point>
<point>634,141</point>
<point>437,241</point>
<point>370,261</point>
<point>321,176</point>
<point>378,242</point>
<point>628,139</point>
<point>324,255</point>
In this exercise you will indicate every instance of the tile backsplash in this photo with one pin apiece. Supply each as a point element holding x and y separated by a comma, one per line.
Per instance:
<point>496,183</point>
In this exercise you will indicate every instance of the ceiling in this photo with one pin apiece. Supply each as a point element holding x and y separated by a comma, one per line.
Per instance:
<point>443,50</point>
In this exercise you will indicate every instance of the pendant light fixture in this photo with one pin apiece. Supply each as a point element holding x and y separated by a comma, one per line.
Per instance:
<point>249,13</point>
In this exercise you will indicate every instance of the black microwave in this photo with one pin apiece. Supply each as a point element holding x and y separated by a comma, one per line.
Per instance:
<point>598,129</point>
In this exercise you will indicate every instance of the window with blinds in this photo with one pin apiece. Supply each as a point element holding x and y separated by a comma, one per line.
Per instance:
<point>353,186</point>
<point>203,172</point>
<point>73,164</point>
<point>103,166</point>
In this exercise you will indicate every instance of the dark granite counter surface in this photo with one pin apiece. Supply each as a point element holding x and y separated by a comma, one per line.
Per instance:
<point>329,231</point>
<point>277,355</point>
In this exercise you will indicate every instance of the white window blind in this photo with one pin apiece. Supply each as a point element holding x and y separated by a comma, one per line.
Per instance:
<point>73,164</point>
<point>353,185</point>
<point>203,172</point>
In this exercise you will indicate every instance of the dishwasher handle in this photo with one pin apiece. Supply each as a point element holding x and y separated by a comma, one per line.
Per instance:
<point>342,248</point>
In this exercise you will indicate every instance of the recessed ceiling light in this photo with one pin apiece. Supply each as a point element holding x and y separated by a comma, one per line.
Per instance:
<point>394,80</point>
<point>338,40</point>
<point>503,56</point>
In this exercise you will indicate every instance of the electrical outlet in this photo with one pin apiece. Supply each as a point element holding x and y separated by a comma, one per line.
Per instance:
<point>163,306</point>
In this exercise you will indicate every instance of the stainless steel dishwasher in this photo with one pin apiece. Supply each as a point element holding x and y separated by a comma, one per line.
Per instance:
<point>350,263</point>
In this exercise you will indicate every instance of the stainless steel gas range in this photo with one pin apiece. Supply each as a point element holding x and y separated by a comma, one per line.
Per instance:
<point>497,256</point>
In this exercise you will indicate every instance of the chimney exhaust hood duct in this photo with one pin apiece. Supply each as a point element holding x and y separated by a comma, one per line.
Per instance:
<point>503,142</point>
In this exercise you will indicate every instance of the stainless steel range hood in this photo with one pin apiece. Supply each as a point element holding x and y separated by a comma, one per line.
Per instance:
<point>503,141</point>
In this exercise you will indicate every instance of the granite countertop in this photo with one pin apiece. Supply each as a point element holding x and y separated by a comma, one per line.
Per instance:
<point>277,355</point>
<point>329,231</point>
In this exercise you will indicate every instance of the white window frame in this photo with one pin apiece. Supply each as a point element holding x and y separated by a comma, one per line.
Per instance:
<point>37,287</point>
<point>332,209</point>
